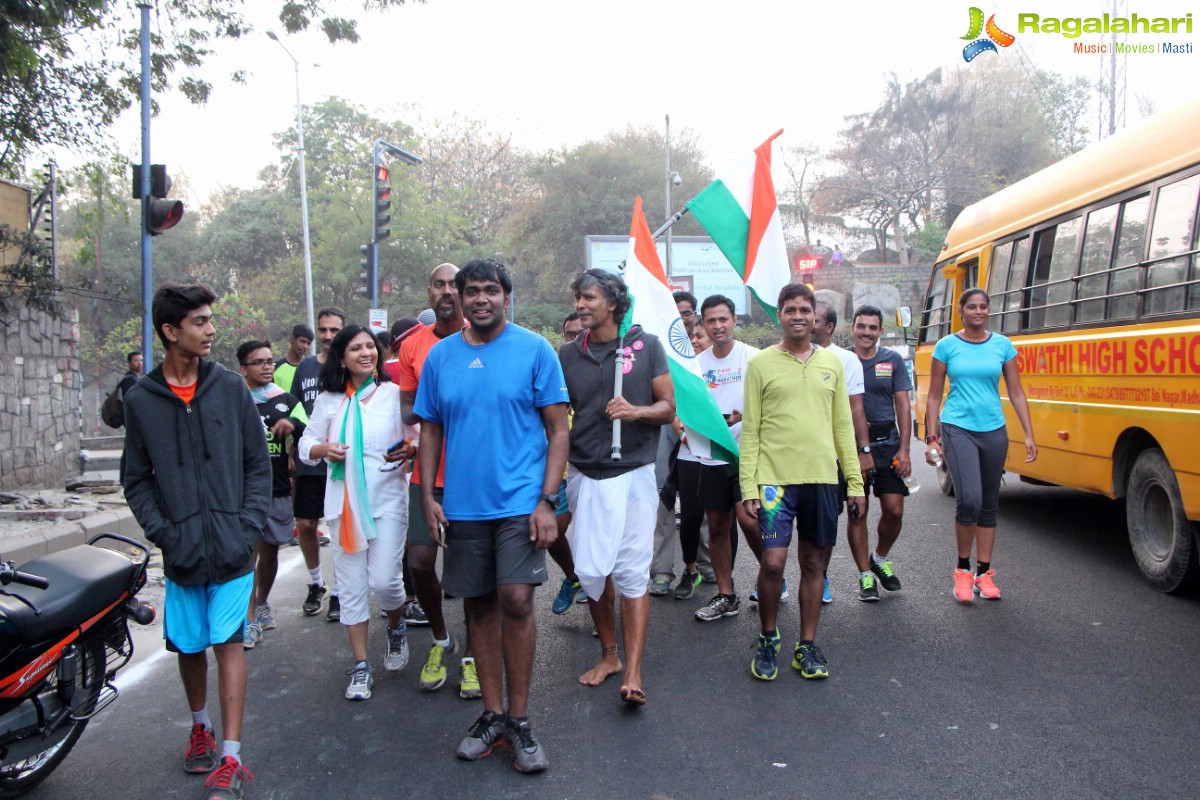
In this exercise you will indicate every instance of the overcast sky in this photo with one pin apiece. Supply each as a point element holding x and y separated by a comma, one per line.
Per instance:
<point>555,73</point>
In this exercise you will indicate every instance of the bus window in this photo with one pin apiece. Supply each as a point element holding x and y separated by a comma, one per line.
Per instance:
<point>1054,267</point>
<point>1174,222</point>
<point>1093,269</point>
<point>937,316</point>
<point>1016,286</point>
<point>1131,247</point>
<point>998,282</point>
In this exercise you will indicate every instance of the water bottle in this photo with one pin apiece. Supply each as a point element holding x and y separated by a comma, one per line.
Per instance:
<point>909,480</point>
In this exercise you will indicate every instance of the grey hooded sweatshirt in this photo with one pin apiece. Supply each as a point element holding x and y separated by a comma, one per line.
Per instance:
<point>198,476</point>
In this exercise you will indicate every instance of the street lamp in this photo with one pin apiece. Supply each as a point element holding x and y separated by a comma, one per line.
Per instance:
<point>673,179</point>
<point>308,289</point>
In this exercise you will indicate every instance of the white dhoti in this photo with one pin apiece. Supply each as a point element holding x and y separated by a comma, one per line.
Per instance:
<point>613,529</point>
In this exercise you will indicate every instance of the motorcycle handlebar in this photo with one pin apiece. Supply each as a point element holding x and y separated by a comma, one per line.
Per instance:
<point>10,574</point>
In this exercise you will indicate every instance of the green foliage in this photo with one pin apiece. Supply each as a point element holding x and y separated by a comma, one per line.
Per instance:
<point>27,272</point>
<point>928,243</point>
<point>68,68</point>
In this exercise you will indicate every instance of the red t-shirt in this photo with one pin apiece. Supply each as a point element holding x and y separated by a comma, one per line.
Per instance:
<point>185,393</point>
<point>413,352</point>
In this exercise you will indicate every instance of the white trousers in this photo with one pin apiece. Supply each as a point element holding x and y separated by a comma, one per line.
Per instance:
<point>379,569</point>
<point>613,534</point>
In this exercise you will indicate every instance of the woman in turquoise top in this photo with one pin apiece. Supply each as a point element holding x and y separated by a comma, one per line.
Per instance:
<point>970,432</point>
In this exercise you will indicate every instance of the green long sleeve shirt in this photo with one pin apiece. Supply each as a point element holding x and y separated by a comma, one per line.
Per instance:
<point>796,423</point>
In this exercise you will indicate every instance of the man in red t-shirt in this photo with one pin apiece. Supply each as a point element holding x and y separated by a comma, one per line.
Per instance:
<point>422,552</point>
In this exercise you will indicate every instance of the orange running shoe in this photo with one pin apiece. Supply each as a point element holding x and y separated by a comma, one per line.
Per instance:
<point>963,586</point>
<point>986,587</point>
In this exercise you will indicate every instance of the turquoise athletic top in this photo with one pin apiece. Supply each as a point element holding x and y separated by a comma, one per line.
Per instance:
<point>974,370</point>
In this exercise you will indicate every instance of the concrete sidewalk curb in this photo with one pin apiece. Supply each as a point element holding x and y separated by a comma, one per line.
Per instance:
<point>22,547</point>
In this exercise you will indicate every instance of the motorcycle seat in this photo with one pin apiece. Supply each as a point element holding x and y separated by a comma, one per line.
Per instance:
<point>84,580</point>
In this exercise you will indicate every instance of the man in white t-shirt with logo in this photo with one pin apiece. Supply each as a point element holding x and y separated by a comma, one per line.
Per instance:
<point>824,324</point>
<point>714,483</point>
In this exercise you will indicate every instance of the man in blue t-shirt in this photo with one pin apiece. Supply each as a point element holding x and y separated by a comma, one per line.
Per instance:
<point>888,410</point>
<point>495,395</point>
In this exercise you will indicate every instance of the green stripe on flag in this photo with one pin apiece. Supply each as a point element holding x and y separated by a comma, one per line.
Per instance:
<point>722,216</point>
<point>695,405</point>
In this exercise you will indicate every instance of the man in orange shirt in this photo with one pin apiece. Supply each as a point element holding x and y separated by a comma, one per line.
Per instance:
<point>422,552</point>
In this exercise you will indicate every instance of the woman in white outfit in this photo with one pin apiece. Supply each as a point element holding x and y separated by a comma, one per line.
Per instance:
<point>354,422</point>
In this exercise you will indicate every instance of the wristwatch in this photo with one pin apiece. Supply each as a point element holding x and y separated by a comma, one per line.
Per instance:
<point>552,499</point>
<point>866,448</point>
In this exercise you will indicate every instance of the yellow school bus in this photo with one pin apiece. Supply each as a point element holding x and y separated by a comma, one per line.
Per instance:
<point>1093,268</point>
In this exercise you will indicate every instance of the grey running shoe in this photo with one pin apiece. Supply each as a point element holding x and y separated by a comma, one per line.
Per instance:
<point>868,592</point>
<point>528,754</point>
<point>397,648</point>
<point>707,575</point>
<point>722,605</point>
<point>482,738</point>
<point>660,586</point>
<point>312,603</point>
<point>334,612</point>
<point>265,617</point>
<point>252,635</point>
<point>227,781</point>
<point>361,681</point>
<point>201,753</point>
<point>887,575</point>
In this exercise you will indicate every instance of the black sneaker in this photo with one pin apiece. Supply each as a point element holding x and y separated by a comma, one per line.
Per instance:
<point>810,662</point>
<point>415,615</point>
<point>312,603</point>
<point>887,575</point>
<point>528,754</point>
<point>868,591</point>
<point>334,612</point>
<point>483,737</point>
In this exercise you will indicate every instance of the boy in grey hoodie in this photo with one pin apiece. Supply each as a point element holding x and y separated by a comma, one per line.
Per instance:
<point>198,480</point>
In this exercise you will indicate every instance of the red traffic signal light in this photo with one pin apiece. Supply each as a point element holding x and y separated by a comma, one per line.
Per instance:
<point>161,214</point>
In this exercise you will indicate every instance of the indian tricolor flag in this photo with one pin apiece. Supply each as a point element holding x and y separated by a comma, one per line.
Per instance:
<point>740,213</point>
<point>654,309</point>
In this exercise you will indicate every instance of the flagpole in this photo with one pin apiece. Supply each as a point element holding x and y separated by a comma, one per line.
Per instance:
<point>678,215</point>
<point>618,383</point>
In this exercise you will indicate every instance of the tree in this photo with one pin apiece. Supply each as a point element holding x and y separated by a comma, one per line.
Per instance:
<point>804,181</point>
<point>68,68</point>
<point>590,189</point>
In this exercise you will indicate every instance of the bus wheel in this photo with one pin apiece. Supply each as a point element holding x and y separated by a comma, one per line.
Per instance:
<point>944,481</point>
<point>1163,540</point>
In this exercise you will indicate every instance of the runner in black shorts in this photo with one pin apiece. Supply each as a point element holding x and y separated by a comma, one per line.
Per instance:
<point>889,425</point>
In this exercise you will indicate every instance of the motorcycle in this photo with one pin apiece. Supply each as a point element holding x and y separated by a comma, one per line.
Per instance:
<point>62,640</point>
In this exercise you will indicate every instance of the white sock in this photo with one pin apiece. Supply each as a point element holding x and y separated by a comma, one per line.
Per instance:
<point>232,749</point>
<point>443,642</point>
<point>468,661</point>
<point>201,718</point>
<point>865,574</point>
<point>315,575</point>
<point>877,559</point>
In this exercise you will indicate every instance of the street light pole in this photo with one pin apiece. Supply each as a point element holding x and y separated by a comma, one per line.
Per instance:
<point>667,196</point>
<point>308,288</point>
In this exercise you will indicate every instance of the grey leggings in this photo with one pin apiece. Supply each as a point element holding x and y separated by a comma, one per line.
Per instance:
<point>976,464</point>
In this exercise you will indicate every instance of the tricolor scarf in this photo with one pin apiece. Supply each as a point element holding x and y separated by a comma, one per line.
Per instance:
<point>261,394</point>
<point>358,523</point>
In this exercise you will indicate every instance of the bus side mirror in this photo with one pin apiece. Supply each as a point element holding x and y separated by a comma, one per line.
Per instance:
<point>903,316</point>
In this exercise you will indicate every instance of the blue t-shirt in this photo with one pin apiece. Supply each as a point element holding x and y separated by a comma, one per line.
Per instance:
<point>974,369</point>
<point>487,399</point>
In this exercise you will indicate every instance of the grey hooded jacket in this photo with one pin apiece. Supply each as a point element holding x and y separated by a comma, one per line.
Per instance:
<point>198,477</point>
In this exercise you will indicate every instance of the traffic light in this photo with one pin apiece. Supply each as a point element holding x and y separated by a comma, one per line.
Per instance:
<point>161,213</point>
<point>383,202</point>
<point>367,262</point>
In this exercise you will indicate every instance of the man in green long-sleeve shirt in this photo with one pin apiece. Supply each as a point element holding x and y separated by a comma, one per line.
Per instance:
<point>796,427</point>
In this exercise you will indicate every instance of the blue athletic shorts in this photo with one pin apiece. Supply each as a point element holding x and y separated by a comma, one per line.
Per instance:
<point>563,506</point>
<point>812,507</point>
<point>197,617</point>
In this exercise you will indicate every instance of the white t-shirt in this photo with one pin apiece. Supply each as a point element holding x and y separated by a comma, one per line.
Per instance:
<point>851,366</point>
<point>725,377</point>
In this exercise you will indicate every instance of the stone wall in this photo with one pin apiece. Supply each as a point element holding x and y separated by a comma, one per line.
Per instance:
<point>886,286</point>
<point>39,398</point>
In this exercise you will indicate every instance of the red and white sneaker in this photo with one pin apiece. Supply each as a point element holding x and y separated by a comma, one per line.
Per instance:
<point>964,591</point>
<point>985,585</point>
<point>225,782</point>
